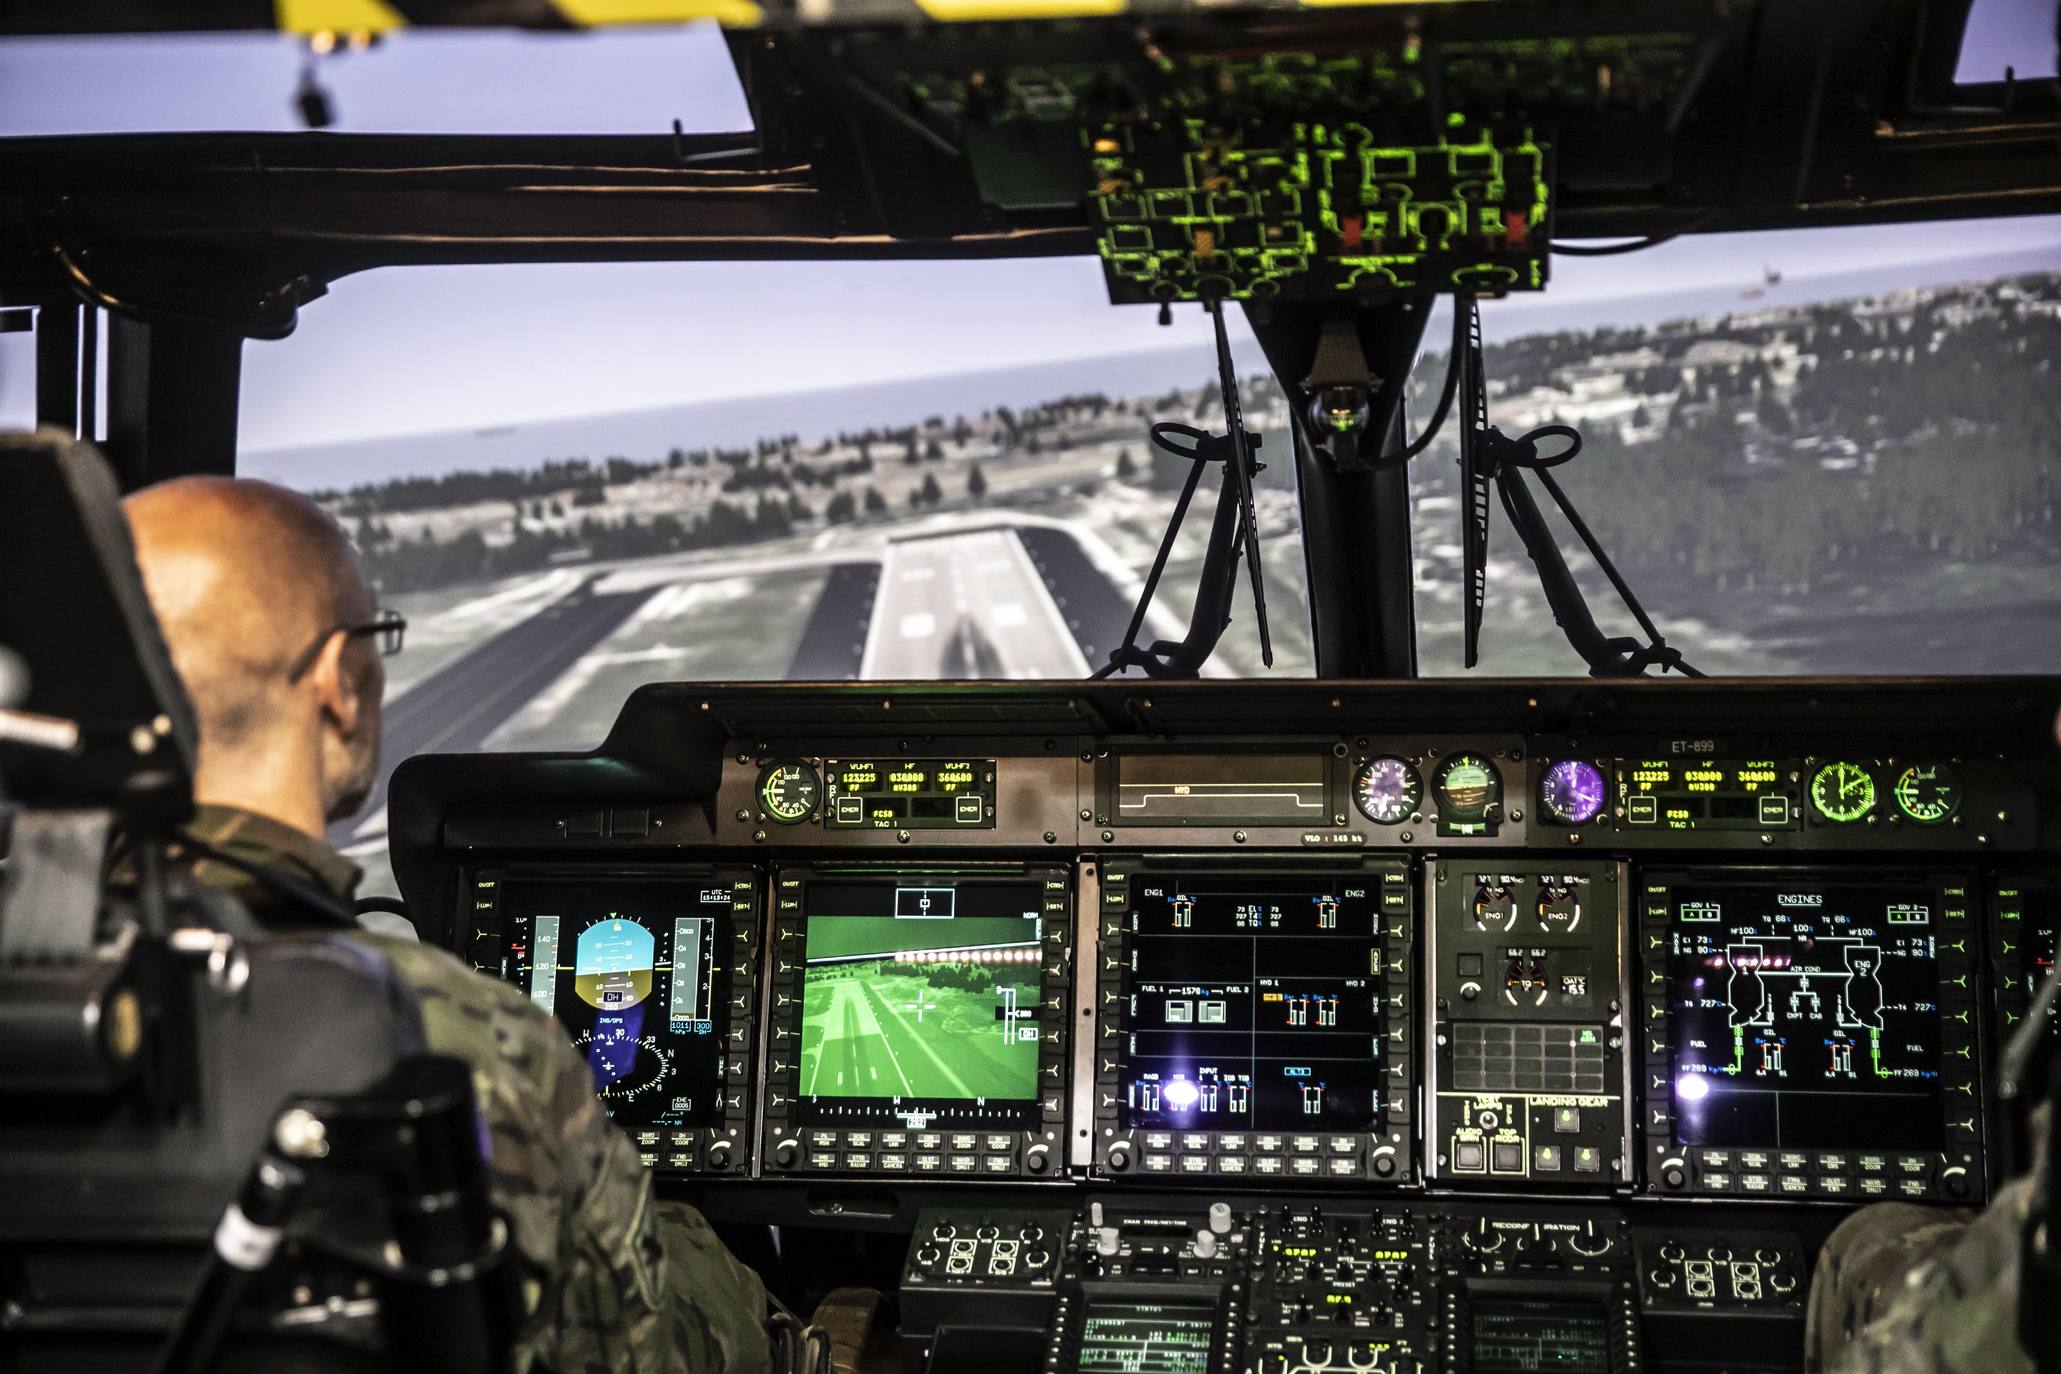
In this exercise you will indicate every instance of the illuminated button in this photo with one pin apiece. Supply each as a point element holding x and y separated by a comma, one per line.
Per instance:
<point>1159,1140</point>
<point>859,1140</point>
<point>822,1140</point>
<point>1304,1144</point>
<point>681,1140</point>
<point>1469,1156</point>
<point>1507,1157</point>
<point>1874,1187</point>
<point>1756,1183</point>
<point>1715,1181</point>
<point>894,1140</point>
<point>1835,1185</point>
<point>1588,1159</point>
<point>1834,1163</point>
<point>648,1158</point>
<point>858,1160</point>
<point>823,1159</point>
<point>1271,1144</point>
<point>851,810</point>
<point>1159,1164</point>
<point>1343,1168</point>
<point>678,1161</point>
<point>967,809</point>
<point>1267,1164</point>
<point>1231,1164</point>
<point>1233,1143</point>
<point>1774,809</point>
<point>1914,1187</point>
<point>1567,1121</point>
<point>1194,1164</point>
<point>929,1164</point>
<point>894,1163</point>
<point>997,1164</point>
<point>1795,1161</point>
<point>1913,1165</point>
<point>1344,1144</point>
<point>1641,810</point>
<point>998,1143</point>
<point>1195,1140</point>
<point>1753,1159</point>
<point>963,1164</point>
<point>1545,1159</point>
<point>1872,1164</point>
<point>965,1140</point>
<point>930,1140</point>
<point>647,1137</point>
<point>1793,1184</point>
<point>1717,1159</point>
<point>1303,1166</point>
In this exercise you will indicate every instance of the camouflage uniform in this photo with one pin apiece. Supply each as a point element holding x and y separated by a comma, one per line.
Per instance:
<point>1902,1288</point>
<point>618,1282</point>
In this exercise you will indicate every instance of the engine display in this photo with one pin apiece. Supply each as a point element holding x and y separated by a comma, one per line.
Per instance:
<point>634,970</point>
<point>1254,1004</point>
<point>1806,1015</point>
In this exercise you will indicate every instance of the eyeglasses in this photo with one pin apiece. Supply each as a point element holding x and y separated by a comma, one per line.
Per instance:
<point>390,626</point>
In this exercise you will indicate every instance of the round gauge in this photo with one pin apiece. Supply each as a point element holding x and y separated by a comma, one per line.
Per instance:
<point>1927,793</point>
<point>788,792</point>
<point>1560,908</point>
<point>1573,791</point>
<point>1843,792</point>
<point>1387,791</point>
<point>1495,907</point>
<point>1469,792</point>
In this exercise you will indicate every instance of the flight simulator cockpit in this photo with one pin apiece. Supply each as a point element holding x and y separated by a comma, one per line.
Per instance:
<point>1158,1017</point>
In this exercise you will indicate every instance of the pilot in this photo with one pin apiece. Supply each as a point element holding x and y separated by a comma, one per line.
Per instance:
<point>264,607</point>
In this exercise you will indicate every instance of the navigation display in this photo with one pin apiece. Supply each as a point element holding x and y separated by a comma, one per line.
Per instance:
<point>1703,793</point>
<point>1254,1003</point>
<point>631,969</point>
<point>920,993</point>
<point>1806,1014</point>
<point>1222,789</point>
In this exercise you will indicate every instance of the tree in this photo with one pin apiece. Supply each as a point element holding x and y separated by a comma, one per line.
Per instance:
<point>930,491</point>
<point>1126,466</point>
<point>933,452</point>
<point>976,483</point>
<point>876,504</point>
<point>842,509</point>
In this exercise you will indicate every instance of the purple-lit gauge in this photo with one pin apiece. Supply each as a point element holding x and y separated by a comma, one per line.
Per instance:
<point>1387,791</point>
<point>1573,791</point>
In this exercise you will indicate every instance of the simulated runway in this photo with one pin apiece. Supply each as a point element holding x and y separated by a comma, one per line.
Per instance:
<point>967,605</point>
<point>880,1035</point>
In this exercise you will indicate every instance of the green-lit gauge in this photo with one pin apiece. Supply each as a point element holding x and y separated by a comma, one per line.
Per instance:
<point>1387,791</point>
<point>1928,793</point>
<point>788,792</point>
<point>1843,792</point>
<point>1470,795</point>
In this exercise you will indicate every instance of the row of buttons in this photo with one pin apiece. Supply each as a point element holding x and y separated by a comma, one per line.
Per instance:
<point>1811,1185</point>
<point>896,1163</point>
<point>994,1142</point>
<point>1819,1161</point>
<point>1299,1166</point>
<point>1232,1142</point>
<point>1507,1157</point>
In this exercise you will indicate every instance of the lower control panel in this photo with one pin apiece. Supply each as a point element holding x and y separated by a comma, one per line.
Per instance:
<point>1260,1287</point>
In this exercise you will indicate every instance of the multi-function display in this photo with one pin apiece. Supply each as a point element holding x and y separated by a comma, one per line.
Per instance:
<point>918,993</point>
<point>1814,1035</point>
<point>1254,1004</point>
<point>1806,1015</point>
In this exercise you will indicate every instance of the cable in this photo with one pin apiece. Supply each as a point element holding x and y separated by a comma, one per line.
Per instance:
<point>1606,250</point>
<point>1445,395</point>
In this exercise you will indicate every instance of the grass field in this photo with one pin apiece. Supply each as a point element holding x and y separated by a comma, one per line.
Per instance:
<point>878,1028</point>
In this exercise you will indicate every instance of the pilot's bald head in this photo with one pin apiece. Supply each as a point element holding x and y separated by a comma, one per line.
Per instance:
<point>248,580</point>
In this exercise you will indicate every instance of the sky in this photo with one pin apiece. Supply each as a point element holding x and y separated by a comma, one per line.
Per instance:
<point>408,350</point>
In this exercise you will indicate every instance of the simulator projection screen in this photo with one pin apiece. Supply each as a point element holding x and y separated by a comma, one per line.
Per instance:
<point>1254,1004</point>
<point>920,999</point>
<point>630,969</point>
<point>1805,1015</point>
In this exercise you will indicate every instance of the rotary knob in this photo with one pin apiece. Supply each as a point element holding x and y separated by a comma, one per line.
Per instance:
<point>786,1153</point>
<point>719,1155</point>
<point>1037,1159</point>
<point>1220,1217</point>
<point>1119,1156</point>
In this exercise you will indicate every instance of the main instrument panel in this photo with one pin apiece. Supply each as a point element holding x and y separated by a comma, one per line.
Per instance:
<point>1190,1015</point>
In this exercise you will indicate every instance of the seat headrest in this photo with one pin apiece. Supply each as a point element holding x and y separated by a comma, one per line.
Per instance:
<point>73,610</point>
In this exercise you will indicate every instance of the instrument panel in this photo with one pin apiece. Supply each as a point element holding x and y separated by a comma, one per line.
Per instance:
<point>1765,968</point>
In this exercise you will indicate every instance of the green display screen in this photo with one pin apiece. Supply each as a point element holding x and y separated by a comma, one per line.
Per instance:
<point>920,993</point>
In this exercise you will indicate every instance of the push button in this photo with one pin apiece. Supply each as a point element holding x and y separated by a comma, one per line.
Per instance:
<point>1469,1157</point>
<point>1508,1157</point>
<point>1588,1159</point>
